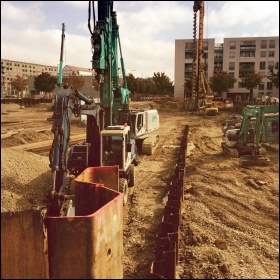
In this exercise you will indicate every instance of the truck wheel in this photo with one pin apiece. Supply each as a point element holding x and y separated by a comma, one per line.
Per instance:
<point>131,176</point>
<point>123,188</point>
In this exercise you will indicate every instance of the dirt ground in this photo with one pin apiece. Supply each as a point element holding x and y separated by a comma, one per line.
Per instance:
<point>229,227</point>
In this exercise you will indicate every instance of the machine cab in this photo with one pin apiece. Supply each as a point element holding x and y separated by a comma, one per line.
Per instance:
<point>117,148</point>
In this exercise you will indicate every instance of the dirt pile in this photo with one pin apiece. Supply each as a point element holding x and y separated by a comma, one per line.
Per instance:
<point>26,137</point>
<point>25,180</point>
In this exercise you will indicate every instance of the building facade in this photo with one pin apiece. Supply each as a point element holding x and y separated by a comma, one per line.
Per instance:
<point>11,68</point>
<point>235,56</point>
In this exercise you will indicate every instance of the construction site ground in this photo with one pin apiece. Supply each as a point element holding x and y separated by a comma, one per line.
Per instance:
<point>230,214</point>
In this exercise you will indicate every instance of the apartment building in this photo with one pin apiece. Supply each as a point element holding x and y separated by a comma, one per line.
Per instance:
<point>11,68</point>
<point>235,56</point>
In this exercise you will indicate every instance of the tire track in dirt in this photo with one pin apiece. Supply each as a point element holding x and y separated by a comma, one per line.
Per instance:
<point>221,205</point>
<point>143,214</point>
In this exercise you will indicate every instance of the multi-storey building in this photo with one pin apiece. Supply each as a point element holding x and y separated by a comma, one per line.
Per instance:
<point>235,56</point>
<point>11,68</point>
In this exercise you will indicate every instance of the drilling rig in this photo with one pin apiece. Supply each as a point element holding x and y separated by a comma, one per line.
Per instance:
<point>201,92</point>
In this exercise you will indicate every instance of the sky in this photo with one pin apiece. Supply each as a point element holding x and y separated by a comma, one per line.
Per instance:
<point>31,30</point>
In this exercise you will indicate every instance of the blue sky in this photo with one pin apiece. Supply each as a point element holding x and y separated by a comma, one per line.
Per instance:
<point>31,30</point>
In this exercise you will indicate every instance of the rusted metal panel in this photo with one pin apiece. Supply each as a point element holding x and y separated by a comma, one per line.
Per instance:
<point>88,245</point>
<point>165,267</point>
<point>106,175</point>
<point>167,242</point>
<point>23,245</point>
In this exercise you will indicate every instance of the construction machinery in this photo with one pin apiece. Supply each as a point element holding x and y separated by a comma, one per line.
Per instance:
<point>201,91</point>
<point>259,125</point>
<point>80,235</point>
<point>114,132</point>
<point>222,103</point>
<point>60,69</point>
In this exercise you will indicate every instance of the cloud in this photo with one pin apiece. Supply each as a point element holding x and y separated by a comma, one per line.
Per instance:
<point>31,30</point>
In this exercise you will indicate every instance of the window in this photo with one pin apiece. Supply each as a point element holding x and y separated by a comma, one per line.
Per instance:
<point>188,46</point>
<point>232,66</point>
<point>205,45</point>
<point>262,65</point>
<point>188,66</point>
<point>269,86</point>
<point>261,86</point>
<point>188,55</point>
<point>271,44</point>
<point>263,44</point>
<point>270,63</point>
<point>263,54</point>
<point>271,54</point>
<point>232,45</point>
<point>247,54</point>
<point>231,73</point>
<point>231,54</point>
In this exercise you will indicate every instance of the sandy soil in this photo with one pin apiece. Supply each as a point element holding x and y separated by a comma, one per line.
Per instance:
<point>229,227</point>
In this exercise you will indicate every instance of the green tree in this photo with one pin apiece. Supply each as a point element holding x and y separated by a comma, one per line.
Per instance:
<point>45,82</point>
<point>221,82</point>
<point>19,83</point>
<point>250,81</point>
<point>163,84</point>
<point>274,74</point>
<point>131,83</point>
<point>77,82</point>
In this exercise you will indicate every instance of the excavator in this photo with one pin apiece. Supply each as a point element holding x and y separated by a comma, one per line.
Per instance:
<point>115,134</point>
<point>80,234</point>
<point>259,125</point>
<point>203,95</point>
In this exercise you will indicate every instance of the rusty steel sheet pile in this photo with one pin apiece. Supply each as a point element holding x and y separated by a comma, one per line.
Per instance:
<point>81,245</point>
<point>86,245</point>
<point>167,241</point>
<point>23,245</point>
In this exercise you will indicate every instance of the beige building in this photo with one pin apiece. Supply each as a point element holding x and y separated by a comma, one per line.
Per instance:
<point>235,56</point>
<point>11,68</point>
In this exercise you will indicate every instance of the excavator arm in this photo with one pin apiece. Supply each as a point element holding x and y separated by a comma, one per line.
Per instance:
<point>67,102</point>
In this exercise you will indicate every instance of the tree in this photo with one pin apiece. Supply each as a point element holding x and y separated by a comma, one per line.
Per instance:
<point>274,77</point>
<point>19,83</point>
<point>250,81</point>
<point>45,82</point>
<point>77,82</point>
<point>163,84</point>
<point>221,82</point>
<point>131,83</point>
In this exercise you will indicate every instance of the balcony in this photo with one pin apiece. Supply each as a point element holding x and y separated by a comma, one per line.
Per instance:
<point>248,48</point>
